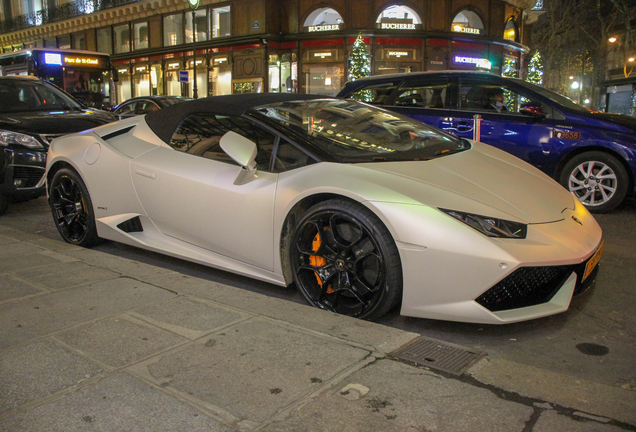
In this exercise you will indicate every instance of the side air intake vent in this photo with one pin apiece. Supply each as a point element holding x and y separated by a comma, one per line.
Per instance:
<point>131,225</point>
<point>117,133</point>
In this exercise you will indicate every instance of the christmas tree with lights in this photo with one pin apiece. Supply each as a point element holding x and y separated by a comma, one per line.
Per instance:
<point>535,69</point>
<point>359,60</point>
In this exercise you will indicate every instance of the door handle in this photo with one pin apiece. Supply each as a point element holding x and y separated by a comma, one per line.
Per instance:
<point>462,126</point>
<point>145,173</point>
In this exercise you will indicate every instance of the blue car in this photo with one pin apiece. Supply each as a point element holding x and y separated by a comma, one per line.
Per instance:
<point>591,154</point>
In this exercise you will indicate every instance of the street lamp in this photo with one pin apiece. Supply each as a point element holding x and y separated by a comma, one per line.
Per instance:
<point>194,4</point>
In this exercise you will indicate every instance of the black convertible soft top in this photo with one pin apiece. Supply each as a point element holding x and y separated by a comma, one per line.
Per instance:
<point>164,121</point>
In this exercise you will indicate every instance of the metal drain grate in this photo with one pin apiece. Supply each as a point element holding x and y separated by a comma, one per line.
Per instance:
<point>439,355</point>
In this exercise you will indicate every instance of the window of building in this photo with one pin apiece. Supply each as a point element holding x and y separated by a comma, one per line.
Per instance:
<point>122,39</point>
<point>79,41</point>
<point>64,42</point>
<point>173,30</point>
<point>201,21</point>
<point>52,43</point>
<point>398,18</point>
<point>105,40</point>
<point>220,76</point>
<point>323,19</point>
<point>140,31</point>
<point>220,22</point>
<point>467,22</point>
<point>510,31</point>
<point>141,79</point>
<point>172,84</point>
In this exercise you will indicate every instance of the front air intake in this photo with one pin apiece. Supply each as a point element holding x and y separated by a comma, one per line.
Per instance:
<point>526,286</point>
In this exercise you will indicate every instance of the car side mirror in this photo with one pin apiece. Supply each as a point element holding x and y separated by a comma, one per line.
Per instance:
<point>242,151</point>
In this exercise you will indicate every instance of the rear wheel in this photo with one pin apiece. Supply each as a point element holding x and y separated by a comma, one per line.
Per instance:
<point>72,209</point>
<point>344,260</point>
<point>599,180</point>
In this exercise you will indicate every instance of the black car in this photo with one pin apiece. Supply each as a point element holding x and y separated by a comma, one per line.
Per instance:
<point>32,113</point>
<point>144,104</point>
<point>592,154</point>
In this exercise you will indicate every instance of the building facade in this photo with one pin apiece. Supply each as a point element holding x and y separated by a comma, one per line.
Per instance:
<point>240,46</point>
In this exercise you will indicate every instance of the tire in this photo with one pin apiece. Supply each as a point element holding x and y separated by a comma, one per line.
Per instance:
<point>599,180</point>
<point>72,209</point>
<point>4,204</point>
<point>344,260</point>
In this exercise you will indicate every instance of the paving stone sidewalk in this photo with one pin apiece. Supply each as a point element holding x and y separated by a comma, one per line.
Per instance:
<point>92,341</point>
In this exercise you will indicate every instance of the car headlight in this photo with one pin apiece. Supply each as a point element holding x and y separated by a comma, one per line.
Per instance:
<point>7,137</point>
<point>492,227</point>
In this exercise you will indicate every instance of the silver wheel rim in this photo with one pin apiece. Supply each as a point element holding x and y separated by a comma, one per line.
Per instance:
<point>593,183</point>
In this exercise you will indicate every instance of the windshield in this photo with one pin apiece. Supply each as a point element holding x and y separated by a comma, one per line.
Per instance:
<point>31,95</point>
<point>355,132</point>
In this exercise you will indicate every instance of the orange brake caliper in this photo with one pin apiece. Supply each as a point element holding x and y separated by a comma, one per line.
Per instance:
<point>318,261</point>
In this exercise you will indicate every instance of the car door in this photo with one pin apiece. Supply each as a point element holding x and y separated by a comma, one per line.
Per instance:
<point>189,193</point>
<point>514,129</point>
<point>425,99</point>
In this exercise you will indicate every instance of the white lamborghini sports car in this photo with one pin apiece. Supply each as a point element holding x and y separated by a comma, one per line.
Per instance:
<point>362,209</point>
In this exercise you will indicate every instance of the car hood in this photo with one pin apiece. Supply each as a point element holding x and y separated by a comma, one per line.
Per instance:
<point>485,177</point>
<point>55,122</point>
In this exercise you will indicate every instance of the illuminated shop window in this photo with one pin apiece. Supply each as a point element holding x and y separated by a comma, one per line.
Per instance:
<point>399,18</point>
<point>467,22</point>
<point>323,19</point>
<point>510,32</point>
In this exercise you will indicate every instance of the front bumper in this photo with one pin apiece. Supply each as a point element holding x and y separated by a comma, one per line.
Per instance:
<point>20,172</point>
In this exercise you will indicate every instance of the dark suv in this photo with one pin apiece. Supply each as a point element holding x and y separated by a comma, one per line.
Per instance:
<point>32,113</point>
<point>591,154</point>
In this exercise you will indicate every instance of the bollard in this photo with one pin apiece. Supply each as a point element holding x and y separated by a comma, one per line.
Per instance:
<point>476,127</point>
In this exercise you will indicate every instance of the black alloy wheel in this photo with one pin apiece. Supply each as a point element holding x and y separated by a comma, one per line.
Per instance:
<point>345,261</point>
<point>72,209</point>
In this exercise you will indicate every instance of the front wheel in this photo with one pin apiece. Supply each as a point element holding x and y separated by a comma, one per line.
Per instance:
<point>72,209</point>
<point>4,204</point>
<point>344,260</point>
<point>599,180</point>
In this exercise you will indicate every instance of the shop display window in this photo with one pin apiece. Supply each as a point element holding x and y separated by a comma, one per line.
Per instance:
<point>323,79</point>
<point>172,86</point>
<point>123,86</point>
<point>220,77</point>
<point>141,79</point>
<point>283,73</point>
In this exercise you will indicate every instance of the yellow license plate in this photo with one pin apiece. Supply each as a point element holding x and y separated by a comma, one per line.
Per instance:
<point>593,261</point>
